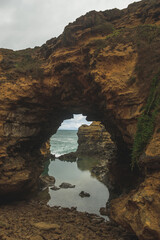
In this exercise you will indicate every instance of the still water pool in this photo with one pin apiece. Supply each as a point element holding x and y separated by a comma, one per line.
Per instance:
<point>76,173</point>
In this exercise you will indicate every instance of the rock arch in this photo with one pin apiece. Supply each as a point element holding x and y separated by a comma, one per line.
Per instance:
<point>102,66</point>
<point>34,108</point>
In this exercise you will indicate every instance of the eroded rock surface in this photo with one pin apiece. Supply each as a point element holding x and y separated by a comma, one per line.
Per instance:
<point>142,206</point>
<point>103,66</point>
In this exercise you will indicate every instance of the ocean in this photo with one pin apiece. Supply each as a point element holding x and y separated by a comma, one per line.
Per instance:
<point>76,173</point>
<point>64,141</point>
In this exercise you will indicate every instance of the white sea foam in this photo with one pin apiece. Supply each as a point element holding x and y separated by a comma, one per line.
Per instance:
<point>64,141</point>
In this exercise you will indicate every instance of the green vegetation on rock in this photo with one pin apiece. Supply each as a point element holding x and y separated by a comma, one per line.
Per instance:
<point>146,121</point>
<point>115,33</point>
<point>28,65</point>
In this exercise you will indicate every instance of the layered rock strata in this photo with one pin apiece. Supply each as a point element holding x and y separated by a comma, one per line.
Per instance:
<point>104,65</point>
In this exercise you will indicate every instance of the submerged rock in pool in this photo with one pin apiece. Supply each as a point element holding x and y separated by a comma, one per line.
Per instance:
<point>66,185</point>
<point>84,194</point>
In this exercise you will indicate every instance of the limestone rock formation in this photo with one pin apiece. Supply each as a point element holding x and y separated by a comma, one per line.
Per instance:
<point>69,157</point>
<point>104,65</point>
<point>95,142</point>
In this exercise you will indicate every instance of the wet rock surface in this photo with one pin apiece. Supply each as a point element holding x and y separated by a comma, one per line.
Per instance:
<point>36,221</point>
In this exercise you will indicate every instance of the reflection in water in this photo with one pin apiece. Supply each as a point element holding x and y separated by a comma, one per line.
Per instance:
<point>70,173</point>
<point>87,163</point>
<point>75,173</point>
<point>46,168</point>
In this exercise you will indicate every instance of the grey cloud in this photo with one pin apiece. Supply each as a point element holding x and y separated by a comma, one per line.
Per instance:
<point>75,122</point>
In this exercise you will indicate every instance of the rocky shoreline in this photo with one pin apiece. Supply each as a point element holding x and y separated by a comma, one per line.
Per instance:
<point>33,220</point>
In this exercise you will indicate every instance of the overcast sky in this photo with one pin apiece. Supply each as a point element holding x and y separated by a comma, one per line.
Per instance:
<point>74,123</point>
<point>30,23</point>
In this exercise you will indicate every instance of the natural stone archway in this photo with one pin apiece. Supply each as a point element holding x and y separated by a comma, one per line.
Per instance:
<point>102,66</point>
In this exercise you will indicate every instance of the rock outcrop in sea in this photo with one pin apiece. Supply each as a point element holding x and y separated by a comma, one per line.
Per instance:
<point>104,65</point>
<point>95,142</point>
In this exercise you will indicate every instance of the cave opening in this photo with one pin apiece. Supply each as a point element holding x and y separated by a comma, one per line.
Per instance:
<point>65,139</point>
<point>112,173</point>
<point>78,165</point>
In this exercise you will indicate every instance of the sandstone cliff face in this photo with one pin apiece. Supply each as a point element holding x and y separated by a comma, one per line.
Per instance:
<point>103,66</point>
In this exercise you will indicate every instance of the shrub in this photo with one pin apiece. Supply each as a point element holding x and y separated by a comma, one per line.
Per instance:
<point>115,33</point>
